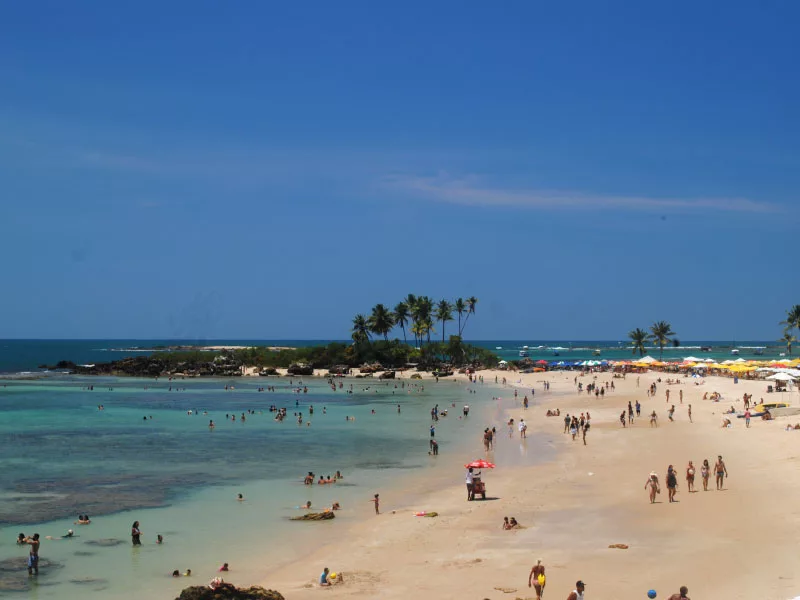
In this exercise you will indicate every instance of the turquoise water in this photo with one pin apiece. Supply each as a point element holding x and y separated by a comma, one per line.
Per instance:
<point>61,456</point>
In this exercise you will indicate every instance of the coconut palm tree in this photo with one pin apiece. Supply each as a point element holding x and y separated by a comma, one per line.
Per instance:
<point>401,317</point>
<point>660,333</point>
<point>444,313</point>
<point>792,318</point>
<point>411,301</point>
<point>788,339</point>
<point>360,331</point>
<point>460,307</point>
<point>472,301</point>
<point>422,312</point>
<point>381,321</point>
<point>638,337</point>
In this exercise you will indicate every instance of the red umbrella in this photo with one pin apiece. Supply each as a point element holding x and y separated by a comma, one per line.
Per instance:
<point>480,464</point>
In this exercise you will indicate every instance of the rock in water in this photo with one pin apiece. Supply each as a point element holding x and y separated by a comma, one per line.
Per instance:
<point>226,591</point>
<point>323,516</point>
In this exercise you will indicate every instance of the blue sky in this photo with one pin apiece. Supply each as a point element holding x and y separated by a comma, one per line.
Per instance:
<point>267,170</point>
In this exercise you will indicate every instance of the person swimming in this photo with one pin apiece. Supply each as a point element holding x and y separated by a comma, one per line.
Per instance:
<point>176,573</point>
<point>224,567</point>
<point>159,539</point>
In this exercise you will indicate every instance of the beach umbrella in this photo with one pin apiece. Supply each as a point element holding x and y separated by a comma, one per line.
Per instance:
<point>647,360</point>
<point>479,464</point>
<point>541,362</point>
<point>781,377</point>
<point>692,359</point>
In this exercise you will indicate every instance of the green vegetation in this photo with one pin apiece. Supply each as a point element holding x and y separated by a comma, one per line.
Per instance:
<point>792,320</point>
<point>390,354</point>
<point>638,337</point>
<point>788,339</point>
<point>660,333</point>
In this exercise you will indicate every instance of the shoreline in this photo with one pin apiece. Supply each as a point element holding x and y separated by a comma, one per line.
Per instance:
<point>583,499</point>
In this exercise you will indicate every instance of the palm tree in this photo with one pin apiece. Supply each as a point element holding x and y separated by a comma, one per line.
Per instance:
<point>638,337</point>
<point>444,313</point>
<point>471,302</point>
<point>460,307</point>
<point>360,329</point>
<point>788,339</point>
<point>411,302</point>
<point>381,321</point>
<point>660,333</point>
<point>422,313</point>
<point>401,317</point>
<point>792,318</point>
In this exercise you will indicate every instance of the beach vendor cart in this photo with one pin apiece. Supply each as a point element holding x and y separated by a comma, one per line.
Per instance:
<point>478,486</point>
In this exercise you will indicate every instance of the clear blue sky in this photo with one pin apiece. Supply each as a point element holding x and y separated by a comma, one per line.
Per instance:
<point>267,170</point>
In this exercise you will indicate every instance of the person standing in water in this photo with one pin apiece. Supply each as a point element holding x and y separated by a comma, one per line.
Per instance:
<point>136,534</point>
<point>33,557</point>
<point>377,502</point>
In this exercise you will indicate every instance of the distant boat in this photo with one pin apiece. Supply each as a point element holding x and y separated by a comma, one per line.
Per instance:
<point>705,348</point>
<point>596,353</point>
<point>758,351</point>
<point>523,353</point>
<point>735,351</point>
<point>524,347</point>
<point>498,347</point>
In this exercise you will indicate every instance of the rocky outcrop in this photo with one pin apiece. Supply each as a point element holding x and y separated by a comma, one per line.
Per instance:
<point>269,371</point>
<point>387,375</point>
<point>322,516</point>
<point>300,369</point>
<point>226,591</point>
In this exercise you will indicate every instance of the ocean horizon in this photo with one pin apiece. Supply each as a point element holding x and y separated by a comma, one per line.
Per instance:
<point>27,355</point>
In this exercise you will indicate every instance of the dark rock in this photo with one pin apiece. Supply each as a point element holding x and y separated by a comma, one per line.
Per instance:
<point>14,573</point>
<point>300,369</point>
<point>268,371</point>
<point>227,591</point>
<point>387,375</point>
<point>105,542</point>
<point>321,516</point>
<point>89,581</point>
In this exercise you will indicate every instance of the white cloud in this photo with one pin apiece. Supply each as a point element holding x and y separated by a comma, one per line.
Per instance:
<point>469,191</point>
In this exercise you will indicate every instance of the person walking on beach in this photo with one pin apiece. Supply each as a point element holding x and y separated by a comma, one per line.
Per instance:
<point>434,448</point>
<point>705,472</point>
<point>573,428</point>
<point>577,593</point>
<point>630,414</point>
<point>747,418</point>
<point>622,418</point>
<point>136,534</point>
<point>638,409</point>
<point>567,421</point>
<point>690,414</point>
<point>652,486</point>
<point>690,477</point>
<point>721,470</point>
<point>377,502</point>
<point>671,412</point>
<point>585,428</point>
<point>523,429</point>
<point>681,595</point>
<point>672,483</point>
<point>680,396</point>
<point>537,579</point>
<point>33,557</point>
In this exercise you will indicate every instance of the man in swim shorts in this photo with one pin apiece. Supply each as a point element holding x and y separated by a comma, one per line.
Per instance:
<point>537,579</point>
<point>721,471</point>
<point>33,557</point>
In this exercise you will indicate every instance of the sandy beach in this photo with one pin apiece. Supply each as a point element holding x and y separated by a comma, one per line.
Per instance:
<point>575,500</point>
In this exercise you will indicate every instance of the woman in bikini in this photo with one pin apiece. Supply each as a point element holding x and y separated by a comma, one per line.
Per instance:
<point>652,486</point>
<point>705,472</point>
<point>690,477</point>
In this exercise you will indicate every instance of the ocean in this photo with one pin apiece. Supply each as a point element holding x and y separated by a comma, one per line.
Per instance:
<point>25,356</point>
<point>60,456</point>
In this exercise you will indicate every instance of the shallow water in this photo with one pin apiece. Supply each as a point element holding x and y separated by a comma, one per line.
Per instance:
<point>61,456</point>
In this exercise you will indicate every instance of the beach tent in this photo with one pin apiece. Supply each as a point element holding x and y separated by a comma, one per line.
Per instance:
<point>781,377</point>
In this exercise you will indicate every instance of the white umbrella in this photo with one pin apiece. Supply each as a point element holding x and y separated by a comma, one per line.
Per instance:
<point>781,377</point>
<point>647,359</point>
<point>700,367</point>
<point>739,360</point>
<point>692,359</point>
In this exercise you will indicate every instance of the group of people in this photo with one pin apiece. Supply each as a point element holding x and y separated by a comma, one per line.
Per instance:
<point>578,425</point>
<point>309,479</point>
<point>720,471</point>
